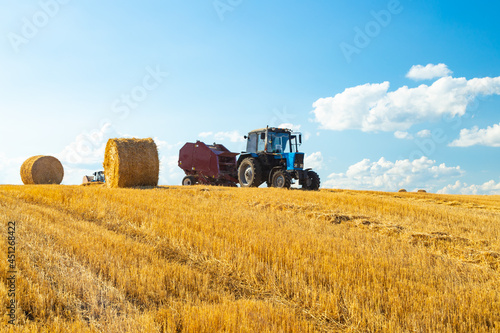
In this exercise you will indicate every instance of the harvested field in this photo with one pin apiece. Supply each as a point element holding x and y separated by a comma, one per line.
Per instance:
<point>93,184</point>
<point>208,259</point>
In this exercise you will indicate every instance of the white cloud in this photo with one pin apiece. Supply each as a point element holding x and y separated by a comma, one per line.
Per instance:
<point>490,187</point>
<point>232,136</point>
<point>424,133</point>
<point>489,136</point>
<point>295,128</point>
<point>85,154</point>
<point>314,161</point>
<point>371,107</point>
<point>170,173</point>
<point>349,109</point>
<point>428,72</point>
<point>10,169</point>
<point>403,135</point>
<point>88,147</point>
<point>385,175</point>
<point>205,134</point>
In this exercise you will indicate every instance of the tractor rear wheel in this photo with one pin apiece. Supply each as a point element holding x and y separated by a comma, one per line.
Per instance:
<point>281,179</point>
<point>189,180</point>
<point>312,181</point>
<point>250,173</point>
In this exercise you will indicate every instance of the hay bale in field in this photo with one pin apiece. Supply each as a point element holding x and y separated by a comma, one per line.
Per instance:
<point>422,191</point>
<point>131,162</point>
<point>402,190</point>
<point>87,179</point>
<point>42,169</point>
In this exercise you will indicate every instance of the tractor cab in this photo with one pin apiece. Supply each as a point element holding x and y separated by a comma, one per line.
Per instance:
<point>99,176</point>
<point>273,156</point>
<point>273,140</point>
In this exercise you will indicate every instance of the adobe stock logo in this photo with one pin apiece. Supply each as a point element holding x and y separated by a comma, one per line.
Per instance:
<point>138,94</point>
<point>372,29</point>
<point>223,6</point>
<point>31,26</point>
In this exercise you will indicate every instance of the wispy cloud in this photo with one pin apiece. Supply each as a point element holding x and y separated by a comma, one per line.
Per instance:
<point>403,135</point>
<point>429,72</point>
<point>232,136</point>
<point>11,168</point>
<point>314,161</point>
<point>424,133</point>
<point>386,175</point>
<point>489,136</point>
<point>489,187</point>
<point>290,126</point>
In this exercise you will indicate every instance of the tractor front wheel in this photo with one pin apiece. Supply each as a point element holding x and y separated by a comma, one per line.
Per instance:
<point>189,180</point>
<point>249,173</point>
<point>281,179</point>
<point>312,181</point>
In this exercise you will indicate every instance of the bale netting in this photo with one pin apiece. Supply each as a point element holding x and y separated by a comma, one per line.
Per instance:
<point>131,162</point>
<point>42,169</point>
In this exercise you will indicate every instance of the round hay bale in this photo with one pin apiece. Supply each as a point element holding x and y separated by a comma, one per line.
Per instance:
<point>86,179</point>
<point>42,169</point>
<point>402,190</point>
<point>131,162</point>
<point>422,191</point>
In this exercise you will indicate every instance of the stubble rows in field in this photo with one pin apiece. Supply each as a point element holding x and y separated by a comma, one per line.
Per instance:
<point>228,259</point>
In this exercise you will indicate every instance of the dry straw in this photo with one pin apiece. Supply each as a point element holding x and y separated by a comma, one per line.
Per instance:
<point>131,162</point>
<point>93,184</point>
<point>42,170</point>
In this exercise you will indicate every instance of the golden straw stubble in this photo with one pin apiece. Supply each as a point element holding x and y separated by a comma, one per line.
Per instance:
<point>42,169</point>
<point>131,162</point>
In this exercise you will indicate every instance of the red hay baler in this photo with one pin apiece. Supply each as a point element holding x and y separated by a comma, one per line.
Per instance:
<point>208,164</point>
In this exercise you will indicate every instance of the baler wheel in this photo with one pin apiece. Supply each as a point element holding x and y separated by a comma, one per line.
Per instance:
<point>189,180</point>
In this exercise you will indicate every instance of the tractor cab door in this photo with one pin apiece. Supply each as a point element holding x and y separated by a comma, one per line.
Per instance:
<point>261,143</point>
<point>256,142</point>
<point>252,143</point>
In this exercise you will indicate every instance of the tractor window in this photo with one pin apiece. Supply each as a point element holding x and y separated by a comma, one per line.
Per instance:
<point>261,143</point>
<point>252,143</point>
<point>278,142</point>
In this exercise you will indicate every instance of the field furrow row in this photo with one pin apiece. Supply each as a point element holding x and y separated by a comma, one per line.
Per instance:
<point>208,259</point>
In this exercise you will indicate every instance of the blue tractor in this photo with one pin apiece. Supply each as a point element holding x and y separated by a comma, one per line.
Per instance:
<point>273,156</point>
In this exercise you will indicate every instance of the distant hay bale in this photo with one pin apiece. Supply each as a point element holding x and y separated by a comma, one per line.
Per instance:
<point>42,169</point>
<point>402,190</point>
<point>422,191</point>
<point>87,179</point>
<point>131,162</point>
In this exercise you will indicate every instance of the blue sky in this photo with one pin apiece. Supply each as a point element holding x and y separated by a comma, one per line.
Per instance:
<point>389,94</point>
